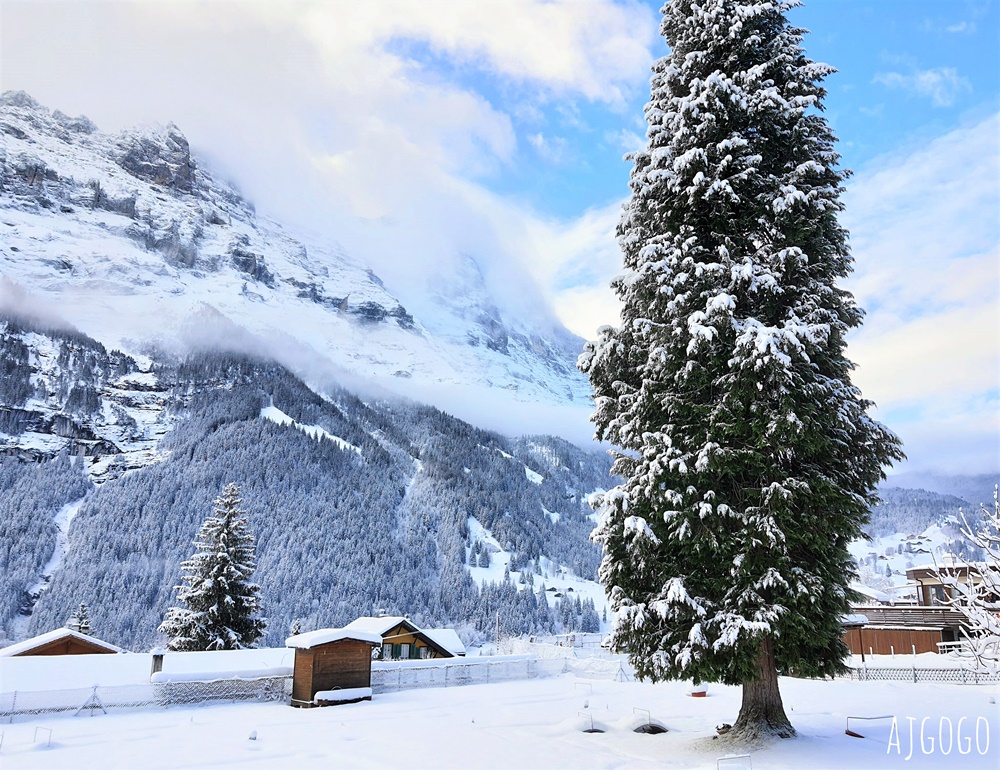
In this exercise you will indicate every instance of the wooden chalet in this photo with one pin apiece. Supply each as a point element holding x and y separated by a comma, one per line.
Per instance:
<point>920,627</point>
<point>402,640</point>
<point>61,641</point>
<point>332,665</point>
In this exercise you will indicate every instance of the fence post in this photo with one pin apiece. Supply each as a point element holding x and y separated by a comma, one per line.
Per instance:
<point>914,675</point>
<point>13,707</point>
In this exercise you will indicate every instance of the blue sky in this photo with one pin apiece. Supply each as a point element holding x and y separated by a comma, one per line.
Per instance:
<point>416,131</point>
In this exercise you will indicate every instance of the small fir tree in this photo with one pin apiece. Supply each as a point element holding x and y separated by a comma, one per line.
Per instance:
<point>80,619</point>
<point>750,461</point>
<point>296,628</point>
<point>220,606</point>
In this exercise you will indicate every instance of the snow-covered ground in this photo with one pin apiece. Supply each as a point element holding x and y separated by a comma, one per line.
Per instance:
<point>529,724</point>
<point>275,415</point>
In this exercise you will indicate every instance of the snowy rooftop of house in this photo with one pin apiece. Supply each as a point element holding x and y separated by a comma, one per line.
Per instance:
<point>378,625</point>
<point>447,638</point>
<point>872,593</point>
<point>854,619</point>
<point>320,636</point>
<point>54,636</point>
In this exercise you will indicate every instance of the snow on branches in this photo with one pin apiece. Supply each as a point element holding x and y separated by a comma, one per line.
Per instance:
<point>978,596</point>
<point>221,605</point>
<point>748,457</point>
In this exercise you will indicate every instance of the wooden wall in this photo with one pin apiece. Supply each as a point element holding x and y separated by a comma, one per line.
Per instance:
<point>884,641</point>
<point>338,665</point>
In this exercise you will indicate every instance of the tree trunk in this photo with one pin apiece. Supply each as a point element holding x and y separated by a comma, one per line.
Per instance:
<point>762,715</point>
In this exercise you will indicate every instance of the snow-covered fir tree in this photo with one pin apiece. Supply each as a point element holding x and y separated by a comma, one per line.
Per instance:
<point>220,606</point>
<point>80,619</point>
<point>749,458</point>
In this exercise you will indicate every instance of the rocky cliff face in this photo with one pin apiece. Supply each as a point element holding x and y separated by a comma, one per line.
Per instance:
<point>64,393</point>
<point>132,240</point>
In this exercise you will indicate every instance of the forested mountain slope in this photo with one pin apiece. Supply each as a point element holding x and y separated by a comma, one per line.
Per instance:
<point>357,506</point>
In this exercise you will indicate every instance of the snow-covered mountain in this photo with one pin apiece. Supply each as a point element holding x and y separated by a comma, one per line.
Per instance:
<point>913,527</point>
<point>132,240</point>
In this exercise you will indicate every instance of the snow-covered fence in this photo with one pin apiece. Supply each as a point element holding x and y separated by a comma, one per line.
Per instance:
<point>915,674</point>
<point>185,689</point>
<point>161,694</point>
<point>453,672</point>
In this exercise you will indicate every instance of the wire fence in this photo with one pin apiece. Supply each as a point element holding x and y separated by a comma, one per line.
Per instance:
<point>386,677</point>
<point>915,674</point>
<point>101,699</point>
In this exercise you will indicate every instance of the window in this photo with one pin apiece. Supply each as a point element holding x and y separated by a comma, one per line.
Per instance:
<point>405,652</point>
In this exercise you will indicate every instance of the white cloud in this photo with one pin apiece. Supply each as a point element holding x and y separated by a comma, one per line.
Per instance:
<point>592,49</point>
<point>943,85</point>
<point>967,27</point>
<point>926,240</point>
<point>552,149</point>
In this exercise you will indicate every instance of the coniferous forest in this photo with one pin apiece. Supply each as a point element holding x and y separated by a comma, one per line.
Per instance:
<point>380,522</point>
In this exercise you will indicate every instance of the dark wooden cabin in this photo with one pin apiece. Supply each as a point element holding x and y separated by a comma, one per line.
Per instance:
<point>332,665</point>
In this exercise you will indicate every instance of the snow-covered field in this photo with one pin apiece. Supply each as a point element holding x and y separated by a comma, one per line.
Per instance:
<point>529,724</point>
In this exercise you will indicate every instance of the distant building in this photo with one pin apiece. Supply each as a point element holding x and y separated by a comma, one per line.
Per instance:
<point>933,590</point>
<point>402,640</point>
<point>61,641</point>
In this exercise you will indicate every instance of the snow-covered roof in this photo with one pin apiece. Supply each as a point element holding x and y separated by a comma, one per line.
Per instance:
<point>54,636</point>
<point>320,636</point>
<point>379,625</point>
<point>447,638</point>
<point>443,638</point>
<point>854,619</point>
<point>871,593</point>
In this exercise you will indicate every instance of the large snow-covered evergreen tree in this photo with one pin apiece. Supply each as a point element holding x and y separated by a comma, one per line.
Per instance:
<point>749,458</point>
<point>221,607</point>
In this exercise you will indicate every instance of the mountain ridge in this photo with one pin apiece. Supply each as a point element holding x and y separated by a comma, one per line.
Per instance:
<point>133,240</point>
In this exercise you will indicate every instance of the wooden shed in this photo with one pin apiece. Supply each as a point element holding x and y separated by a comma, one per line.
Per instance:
<point>61,641</point>
<point>332,665</point>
